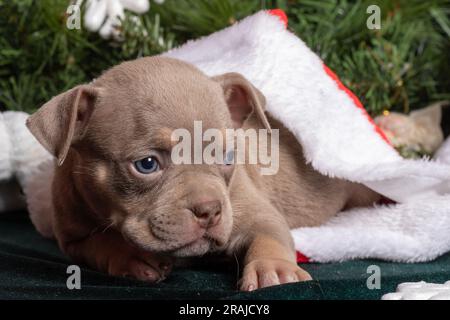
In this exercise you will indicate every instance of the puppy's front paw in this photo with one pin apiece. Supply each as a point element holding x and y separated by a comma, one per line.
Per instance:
<point>143,266</point>
<point>269,272</point>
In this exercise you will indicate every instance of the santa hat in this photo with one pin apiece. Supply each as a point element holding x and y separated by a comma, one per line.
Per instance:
<point>339,139</point>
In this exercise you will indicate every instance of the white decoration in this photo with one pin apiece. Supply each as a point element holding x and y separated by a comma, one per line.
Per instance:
<point>443,154</point>
<point>105,16</point>
<point>420,291</point>
<point>22,160</point>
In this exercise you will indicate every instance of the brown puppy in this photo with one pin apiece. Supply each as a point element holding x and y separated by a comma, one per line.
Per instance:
<point>123,207</point>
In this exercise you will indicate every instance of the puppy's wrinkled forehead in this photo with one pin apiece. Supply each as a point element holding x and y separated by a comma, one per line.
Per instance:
<point>145,99</point>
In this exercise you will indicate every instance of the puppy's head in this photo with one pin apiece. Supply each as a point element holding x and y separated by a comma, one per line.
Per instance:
<point>118,134</point>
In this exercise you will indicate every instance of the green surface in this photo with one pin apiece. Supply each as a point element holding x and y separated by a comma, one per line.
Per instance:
<point>33,268</point>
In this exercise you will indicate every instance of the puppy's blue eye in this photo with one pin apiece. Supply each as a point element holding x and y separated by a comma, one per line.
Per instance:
<point>229,158</point>
<point>147,165</point>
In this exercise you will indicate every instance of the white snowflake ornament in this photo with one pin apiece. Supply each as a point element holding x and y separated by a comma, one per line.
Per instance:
<point>420,291</point>
<point>105,16</point>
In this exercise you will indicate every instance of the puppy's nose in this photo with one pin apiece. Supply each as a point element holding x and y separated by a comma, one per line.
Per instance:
<point>207,213</point>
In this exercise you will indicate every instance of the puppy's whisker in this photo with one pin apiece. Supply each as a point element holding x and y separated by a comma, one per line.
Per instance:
<point>84,170</point>
<point>84,173</point>
<point>237,268</point>
<point>108,226</point>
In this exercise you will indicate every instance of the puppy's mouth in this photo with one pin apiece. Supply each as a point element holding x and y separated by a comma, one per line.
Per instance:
<point>204,243</point>
<point>199,247</point>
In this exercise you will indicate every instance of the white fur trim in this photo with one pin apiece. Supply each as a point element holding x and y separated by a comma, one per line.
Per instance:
<point>6,171</point>
<point>38,192</point>
<point>443,154</point>
<point>26,153</point>
<point>416,231</point>
<point>411,232</point>
<point>20,158</point>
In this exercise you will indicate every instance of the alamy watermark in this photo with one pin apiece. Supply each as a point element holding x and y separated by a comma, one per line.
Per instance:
<point>374,280</point>
<point>73,13</point>
<point>234,146</point>
<point>74,278</point>
<point>374,20</point>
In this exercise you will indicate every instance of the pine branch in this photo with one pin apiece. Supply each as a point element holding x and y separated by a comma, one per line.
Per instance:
<point>403,66</point>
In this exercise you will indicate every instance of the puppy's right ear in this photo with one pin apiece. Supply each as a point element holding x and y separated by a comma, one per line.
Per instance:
<point>63,120</point>
<point>242,98</point>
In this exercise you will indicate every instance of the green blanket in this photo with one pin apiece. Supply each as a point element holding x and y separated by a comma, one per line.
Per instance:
<point>32,267</point>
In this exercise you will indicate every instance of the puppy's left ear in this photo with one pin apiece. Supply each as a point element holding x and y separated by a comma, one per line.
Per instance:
<point>242,98</point>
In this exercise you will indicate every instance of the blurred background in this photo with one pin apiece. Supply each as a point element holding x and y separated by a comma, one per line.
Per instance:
<point>403,66</point>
